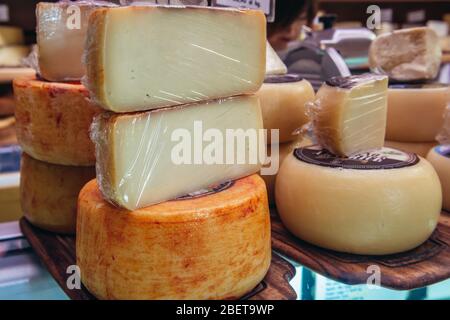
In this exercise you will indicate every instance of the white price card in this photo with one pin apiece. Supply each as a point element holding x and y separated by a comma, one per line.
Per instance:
<point>4,13</point>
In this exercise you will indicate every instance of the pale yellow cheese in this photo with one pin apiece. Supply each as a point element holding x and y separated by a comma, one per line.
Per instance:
<point>274,65</point>
<point>366,211</point>
<point>11,56</point>
<point>416,112</point>
<point>53,121</point>
<point>283,151</point>
<point>419,148</point>
<point>49,193</point>
<point>283,106</point>
<point>439,157</point>
<point>213,246</point>
<point>146,57</point>
<point>349,114</point>
<point>409,54</point>
<point>10,35</point>
<point>61,35</point>
<point>142,159</point>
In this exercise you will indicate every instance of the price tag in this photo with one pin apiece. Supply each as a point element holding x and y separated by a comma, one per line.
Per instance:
<point>4,13</point>
<point>267,6</point>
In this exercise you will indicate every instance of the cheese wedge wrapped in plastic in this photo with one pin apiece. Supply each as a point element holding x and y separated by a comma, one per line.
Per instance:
<point>379,202</point>
<point>283,99</point>
<point>154,156</point>
<point>274,65</point>
<point>406,55</point>
<point>349,114</point>
<point>146,57</point>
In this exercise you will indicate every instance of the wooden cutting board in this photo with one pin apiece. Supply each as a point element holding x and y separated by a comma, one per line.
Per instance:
<point>57,252</point>
<point>425,265</point>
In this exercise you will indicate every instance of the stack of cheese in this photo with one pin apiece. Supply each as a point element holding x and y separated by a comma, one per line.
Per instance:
<point>415,110</point>
<point>349,193</point>
<point>12,46</point>
<point>53,118</point>
<point>163,221</point>
<point>283,98</point>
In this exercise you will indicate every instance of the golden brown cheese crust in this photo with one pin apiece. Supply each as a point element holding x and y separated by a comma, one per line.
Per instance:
<point>53,121</point>
<point>49,193</point>
<point>212,247</point>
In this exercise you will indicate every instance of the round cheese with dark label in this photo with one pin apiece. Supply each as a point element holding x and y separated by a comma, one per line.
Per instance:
<point>379,202</point>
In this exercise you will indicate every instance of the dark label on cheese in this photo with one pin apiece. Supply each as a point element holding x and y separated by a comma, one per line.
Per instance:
<point>284,78</point>
<point>443,150</point>
<point>207,191</point>
<point>385,158</point>
<point>353,81</point>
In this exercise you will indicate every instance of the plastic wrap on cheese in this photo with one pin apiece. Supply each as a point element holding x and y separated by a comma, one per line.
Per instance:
<point>61,35</point>
<point>349,114</point>
<point>150,157</point>
<point>146,57</point>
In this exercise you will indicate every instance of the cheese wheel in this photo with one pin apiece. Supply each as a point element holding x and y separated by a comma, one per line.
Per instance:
<point>53,120</point>
<point>283,150</point>
<point>283,101</point>
<point>416,112</point>
<point>419,148</point>
<point>439,157</point>
<point>210,245</point>
<point>49,193</point>
<point>376,203</point>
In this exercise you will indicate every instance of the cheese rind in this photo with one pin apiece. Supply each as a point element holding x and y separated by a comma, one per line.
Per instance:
<point>416,112</point>
<point>283,151</point>
<point>146,57</point>
<point>274,65</point>
<point>405,55</point>
<point>53,121</point>
<point>419,148</point>
<point>439,157</point>
<point>349,114</point>
<point>61,35</point>
<point>11,56</point>
<point>154,156</point>
<point>215,246</point>
<point>10,36</point>
<point>283,106</point>
<point>49,193</point>
<point>360,211</point>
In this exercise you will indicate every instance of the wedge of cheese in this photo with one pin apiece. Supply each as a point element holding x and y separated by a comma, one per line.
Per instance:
<point>11,56</point>
<point>151,157</point>
<point>274,65</point>
<point>10,36</point>
<point>349,114</point>
<point>405,55</point>
<point>215,245</point>
<point>146,57</point>
<point>61,34</point>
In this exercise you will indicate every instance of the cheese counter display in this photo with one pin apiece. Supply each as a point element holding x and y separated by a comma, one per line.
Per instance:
<point>222,150</point>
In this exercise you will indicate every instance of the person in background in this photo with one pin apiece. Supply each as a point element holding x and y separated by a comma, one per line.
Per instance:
<point>290,16</point>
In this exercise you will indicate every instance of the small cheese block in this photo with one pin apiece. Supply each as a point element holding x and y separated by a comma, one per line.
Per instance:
<point>146,57</point>
<point>154,156</point>
<point>10,36</point>
<point>53,120</point>
<point>349,114</point>
<point>405,55</point>
<point>283,100</point>
<point>274,65</point>
<point>416,111</point>
<point>283,151</point>
<point>49,193</point>
<point>419,148</point>
<point>381,202</point>
<point>61,35</point>
<point>12,56</point>
<point>439,157</point>
<point>210,245</point>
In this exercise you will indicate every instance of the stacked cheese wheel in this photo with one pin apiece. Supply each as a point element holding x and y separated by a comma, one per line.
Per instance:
<point>166,218</point>
<point>283,99</point>
<point>348,193</point>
